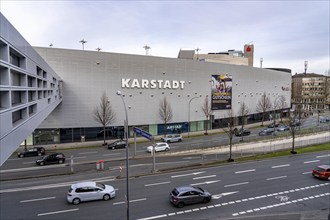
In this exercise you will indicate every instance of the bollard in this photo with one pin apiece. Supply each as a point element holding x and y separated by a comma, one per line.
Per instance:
<point>97,165</point>
<point>102,164</point>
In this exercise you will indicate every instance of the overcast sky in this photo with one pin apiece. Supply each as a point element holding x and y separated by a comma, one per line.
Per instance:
<point>284,33</point>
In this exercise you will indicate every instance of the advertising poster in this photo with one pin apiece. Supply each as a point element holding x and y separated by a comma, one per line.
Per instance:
<point>221,92</point>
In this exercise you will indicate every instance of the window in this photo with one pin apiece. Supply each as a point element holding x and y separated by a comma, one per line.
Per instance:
<point>16,116</point>
<point>16,97</point>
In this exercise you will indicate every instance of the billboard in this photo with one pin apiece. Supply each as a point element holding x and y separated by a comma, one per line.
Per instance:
<point>221,91</point>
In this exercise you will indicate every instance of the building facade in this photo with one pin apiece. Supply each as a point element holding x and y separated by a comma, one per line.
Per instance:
<point>145,81</point>
<point>311,91</point>
<point>29,89</point>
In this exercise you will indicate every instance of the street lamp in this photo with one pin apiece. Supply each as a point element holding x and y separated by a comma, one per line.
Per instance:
<point>261,60</point>
<point>189,113</point>
<point>306,63</point>
<point>126,137</point>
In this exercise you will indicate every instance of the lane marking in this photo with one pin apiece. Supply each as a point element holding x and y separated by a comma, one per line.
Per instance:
<point>124,202</point>
<point>29,162</point>
<point>278,177</point>
<point>236,184</point>
<point>90,152</point>
<point>153,217</point>
<point>279,166</point>
<point>328,155</point>
<point>57,212</point>
<point>34,200</point>
<point>245,171</point>
<point>79,157</point>
<point>155,184</point>
<point>312,161</point>
<point>188,174</point>
<point>308,172</point>
<point>110,154</point>
<point>202,183</point>
<point>204,177</point>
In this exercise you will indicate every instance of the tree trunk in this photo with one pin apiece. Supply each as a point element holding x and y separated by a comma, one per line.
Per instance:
<point>230,149</point>
<point>103,134</point>
<point>207,124</point>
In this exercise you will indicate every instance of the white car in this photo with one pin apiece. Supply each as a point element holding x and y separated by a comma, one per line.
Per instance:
<point>163,146</point>
<point>172,138</point>
<point>88,191</point>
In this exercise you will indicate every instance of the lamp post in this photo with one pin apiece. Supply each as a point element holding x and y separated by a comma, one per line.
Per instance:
<point>261,60</point>
<point>306,63</point>
<point>189,113</point>
<point>126,137</point>
<point>275,105</point>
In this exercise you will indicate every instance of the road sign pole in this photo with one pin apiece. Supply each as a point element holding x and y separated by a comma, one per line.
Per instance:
<point>134,144</point>
<point>154,156</point>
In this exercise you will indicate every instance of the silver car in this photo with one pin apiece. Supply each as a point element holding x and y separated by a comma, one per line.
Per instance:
<point>88,191</point>
<point>185,195</point>
<point>172,138</point>
<point>163,146</point>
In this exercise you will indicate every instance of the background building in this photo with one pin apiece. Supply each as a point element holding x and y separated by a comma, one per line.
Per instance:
<point>311,91</point>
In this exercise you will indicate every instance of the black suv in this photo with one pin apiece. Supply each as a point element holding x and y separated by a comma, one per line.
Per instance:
<point>51,158</point>
<point>117,144</point>
<point>242,132</point>
<point>35,151</point>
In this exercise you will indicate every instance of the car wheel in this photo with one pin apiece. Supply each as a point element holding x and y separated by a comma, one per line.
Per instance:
<point>206,200</point>
<point>60,161</point>
<point>39,154</point>
<point>113,148</point>
<point>106,197</point>
<point>167,149</point>
<point>21,155</point>
<point>75,201</point>
<point>180,204</point>
<point>42,163</point>
<point>168,141</point>
<point>180,140</point>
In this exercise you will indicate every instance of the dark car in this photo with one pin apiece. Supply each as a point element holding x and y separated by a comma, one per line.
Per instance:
<point>267,131</point>
<point>322,172</point>
<point>272,125</point>
<point>295,123</point>
<point>283,128</point>
<point>242,132</point>
<point>51,159</point>
<point>117,144</point>
<point>35,151</point>
<point>185,195</point>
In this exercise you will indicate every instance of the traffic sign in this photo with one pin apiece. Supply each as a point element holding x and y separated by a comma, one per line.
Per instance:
<point>143,133</point>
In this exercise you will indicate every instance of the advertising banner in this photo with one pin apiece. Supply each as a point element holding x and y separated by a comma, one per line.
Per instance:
<point>221,92</point>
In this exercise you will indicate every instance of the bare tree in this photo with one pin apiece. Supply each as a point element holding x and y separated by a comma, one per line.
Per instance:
<point>296,119</point>
<point>104,114</point>
<point>207,110</point>
<point>228,128</point>
<point>281,105</point>
<point>263,106</point>
<point>165,112</point>
<point>243,113</point>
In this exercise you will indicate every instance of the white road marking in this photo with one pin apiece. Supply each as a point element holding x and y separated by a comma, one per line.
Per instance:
<point>309,172</point>
<point>328,155</point>
<point>155,184</point>
<point>51,213</point>
<point>153,217</point>
<point>279,166</point>
<point>190,158</point>
<point>312,161</point>
<point>218,196</point>
<point>136,200</point>
<point>202,183</point>
<point>34,200</point>
<point>278,177</point>
<point>79,157</point>
<point>203,177</point>
<point>245,171</point>
<point>236,184</point>
<point>90,152</point>
<point>188,174</point>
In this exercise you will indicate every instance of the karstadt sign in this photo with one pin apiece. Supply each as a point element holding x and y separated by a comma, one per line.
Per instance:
<point>152,84</point>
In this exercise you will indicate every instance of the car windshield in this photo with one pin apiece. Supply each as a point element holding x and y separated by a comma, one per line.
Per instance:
<point>175,192</point>
<point>101,185</point>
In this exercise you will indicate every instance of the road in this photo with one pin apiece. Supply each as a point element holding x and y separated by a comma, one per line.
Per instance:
<point>281,185</point>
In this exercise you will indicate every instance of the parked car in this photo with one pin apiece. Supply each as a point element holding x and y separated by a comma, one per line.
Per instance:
<point>267,131</point>
<point>172,138</point>
<point>242,132</point>
<point>322,172</point>
<point>88,191</point>
<point>324,119</point>
<point>51,159</point>
<point>35,151</point>
<point>163,146</point>
<point>117,144</point>
<point>294,123</point>
<point>283,128</point>
<point>185,195</point>
<point>272,125</point>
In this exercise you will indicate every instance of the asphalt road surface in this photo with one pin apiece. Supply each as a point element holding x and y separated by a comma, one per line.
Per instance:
<point>281,185</point>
